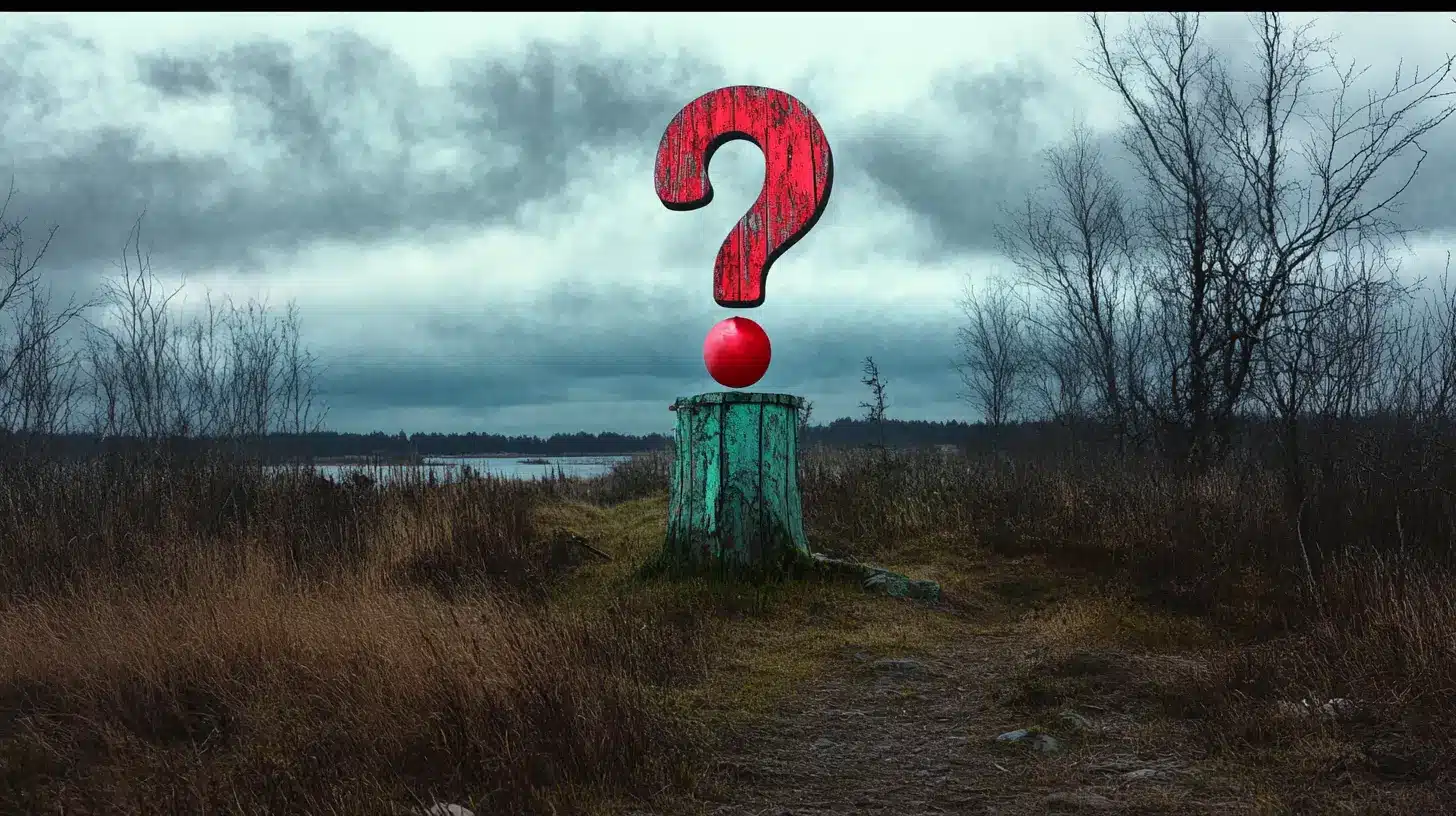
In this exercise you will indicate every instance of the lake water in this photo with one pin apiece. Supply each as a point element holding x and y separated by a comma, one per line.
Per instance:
<point>450,467</point>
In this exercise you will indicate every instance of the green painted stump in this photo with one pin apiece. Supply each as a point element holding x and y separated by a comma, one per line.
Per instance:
<point>735,482</point>
<point>735,494</point>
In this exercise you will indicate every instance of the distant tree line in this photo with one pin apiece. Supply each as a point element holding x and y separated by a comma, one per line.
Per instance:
<point>326,445</point>
<point>278,448</point>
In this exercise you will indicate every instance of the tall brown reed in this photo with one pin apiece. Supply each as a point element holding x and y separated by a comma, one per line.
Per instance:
<point>208,637</point>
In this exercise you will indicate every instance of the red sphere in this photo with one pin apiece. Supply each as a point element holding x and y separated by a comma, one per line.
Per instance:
<point>737,352</point>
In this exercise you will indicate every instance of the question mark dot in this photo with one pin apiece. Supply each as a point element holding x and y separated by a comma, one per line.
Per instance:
<point>737,352</point>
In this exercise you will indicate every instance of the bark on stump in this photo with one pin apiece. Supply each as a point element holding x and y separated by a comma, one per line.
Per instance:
<point>735,494</point>
<point>735,482</point>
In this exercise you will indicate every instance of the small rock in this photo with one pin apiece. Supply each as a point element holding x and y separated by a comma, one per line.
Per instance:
<point>901,665</point>
<point>1290,710</point>
<point>1075,721</point>
<point>1337,708</point>
<point>1078,800</point>
<point>1042,743</point>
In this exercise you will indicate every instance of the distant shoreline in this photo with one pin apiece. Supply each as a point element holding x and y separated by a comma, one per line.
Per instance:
<point>533,455</point>
<point>338,461</point>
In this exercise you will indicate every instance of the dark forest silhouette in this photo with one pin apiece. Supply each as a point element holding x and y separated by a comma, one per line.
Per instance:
<point>1013,439</point>
<point>323,445</point>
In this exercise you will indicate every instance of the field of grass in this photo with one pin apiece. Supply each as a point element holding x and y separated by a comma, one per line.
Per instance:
<point>204,638</point>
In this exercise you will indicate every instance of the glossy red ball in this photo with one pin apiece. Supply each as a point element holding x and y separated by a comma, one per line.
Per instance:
<point>737,352</point>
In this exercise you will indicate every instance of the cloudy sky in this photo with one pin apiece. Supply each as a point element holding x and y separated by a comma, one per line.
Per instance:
<point>463,206</point>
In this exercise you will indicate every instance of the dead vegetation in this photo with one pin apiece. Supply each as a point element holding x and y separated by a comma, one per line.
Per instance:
<point>207,638</point>
<point>1182,601</point>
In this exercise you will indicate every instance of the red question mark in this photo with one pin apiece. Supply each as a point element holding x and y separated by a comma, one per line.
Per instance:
<point>798,174</point>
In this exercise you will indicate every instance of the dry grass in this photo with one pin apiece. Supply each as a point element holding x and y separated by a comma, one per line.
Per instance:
<point>204,638</point>
<point>1205,576</point>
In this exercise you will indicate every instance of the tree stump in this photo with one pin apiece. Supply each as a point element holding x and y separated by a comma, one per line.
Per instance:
<point>735,482</point>
<point>734,502</point>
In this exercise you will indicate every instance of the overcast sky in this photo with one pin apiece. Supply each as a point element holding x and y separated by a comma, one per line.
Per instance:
<point>463,205</point>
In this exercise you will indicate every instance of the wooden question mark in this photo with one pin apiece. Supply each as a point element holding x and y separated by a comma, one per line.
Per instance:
<point>798,174</point>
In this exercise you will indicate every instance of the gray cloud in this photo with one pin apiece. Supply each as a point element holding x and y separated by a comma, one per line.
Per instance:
<point>336,138</point>
<point>960,166</point>
<point>975,146</point>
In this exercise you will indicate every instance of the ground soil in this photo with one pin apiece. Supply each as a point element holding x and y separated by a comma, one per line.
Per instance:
<point>884,706</point>
<point>914,732</point>
<point>917,736</point>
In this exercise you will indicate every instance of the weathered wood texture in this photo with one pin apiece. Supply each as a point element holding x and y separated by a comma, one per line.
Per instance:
<point>735,482</point>
<point>798,177</point>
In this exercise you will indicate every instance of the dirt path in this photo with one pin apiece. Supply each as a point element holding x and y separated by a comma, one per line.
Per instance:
<point>888,735</point>
<point>916,733</point>
<point>1113,695</point>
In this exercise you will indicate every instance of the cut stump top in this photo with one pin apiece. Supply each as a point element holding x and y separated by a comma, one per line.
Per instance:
<point>735,397</point>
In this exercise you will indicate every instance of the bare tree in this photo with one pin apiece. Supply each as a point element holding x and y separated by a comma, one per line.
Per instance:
<point>1321,361</point>
<point>875,407</point>
<point>140,366</point>
<point>45,376</point>
<point>806,413</point>
<point>1060,380</point>
<point>202,361</point>
<point>133,350</point>
<point>1075,250</point>
<point>299,408</point>
<point>254,367</point>
<point>1245,185</point>
<point>1418,363</point>
<point>36,387</point>
<point>994,353</point>
<point>229,371</point>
